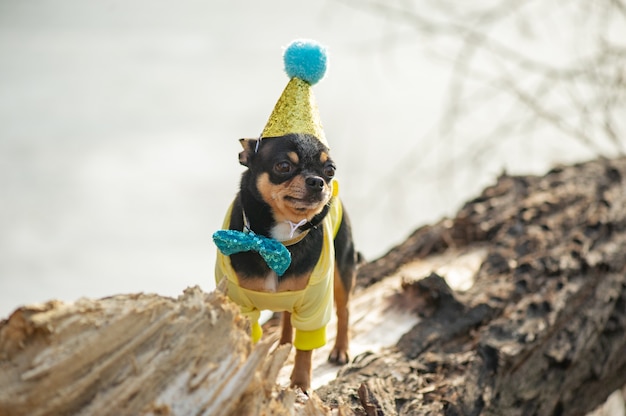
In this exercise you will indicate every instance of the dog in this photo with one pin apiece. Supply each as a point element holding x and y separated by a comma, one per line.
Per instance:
<point>287,194</point>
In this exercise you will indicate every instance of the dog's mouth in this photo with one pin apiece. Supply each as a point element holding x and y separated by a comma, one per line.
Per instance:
<point>305,203</point>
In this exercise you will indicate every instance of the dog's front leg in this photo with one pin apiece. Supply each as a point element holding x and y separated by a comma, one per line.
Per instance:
<point>339,353</point>
<point>301,374</point>
<point>286,336</point>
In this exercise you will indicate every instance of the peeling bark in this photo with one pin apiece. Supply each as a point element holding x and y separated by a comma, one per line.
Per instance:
<point>542,330</point>
<point>140,354</point>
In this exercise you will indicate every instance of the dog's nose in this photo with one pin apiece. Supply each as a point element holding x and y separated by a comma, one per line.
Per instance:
<point>315,183</point>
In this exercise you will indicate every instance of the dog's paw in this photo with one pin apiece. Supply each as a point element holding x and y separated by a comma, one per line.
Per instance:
<point>303,386</point>
<point>339,356</point>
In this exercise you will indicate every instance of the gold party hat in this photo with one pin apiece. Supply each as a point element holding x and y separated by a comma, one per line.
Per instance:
<point>296,110</point>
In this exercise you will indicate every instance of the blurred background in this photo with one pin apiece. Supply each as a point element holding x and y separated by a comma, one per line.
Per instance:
<point>119,120</point>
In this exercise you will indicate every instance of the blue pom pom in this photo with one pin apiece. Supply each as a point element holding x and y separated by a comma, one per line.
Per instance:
<point>305,59</point>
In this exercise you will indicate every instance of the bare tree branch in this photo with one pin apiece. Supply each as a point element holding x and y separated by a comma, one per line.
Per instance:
<point>498,61</point>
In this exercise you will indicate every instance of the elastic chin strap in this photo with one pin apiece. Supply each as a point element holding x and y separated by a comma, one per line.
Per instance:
<point>316,220</point>
<point>294,226</point>
<point>258,143</point>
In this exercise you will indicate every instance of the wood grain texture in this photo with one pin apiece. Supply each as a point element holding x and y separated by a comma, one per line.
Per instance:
<point>542,330</point>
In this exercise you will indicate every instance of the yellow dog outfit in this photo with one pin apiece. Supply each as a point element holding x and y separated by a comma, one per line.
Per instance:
<point>310,308</point>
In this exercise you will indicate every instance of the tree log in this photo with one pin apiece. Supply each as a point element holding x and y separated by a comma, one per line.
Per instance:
<point>140,354</point>
<point>542,331</point>
<point>539,329</point>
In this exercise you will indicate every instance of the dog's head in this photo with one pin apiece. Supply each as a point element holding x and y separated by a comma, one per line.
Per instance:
<point>293,174</point>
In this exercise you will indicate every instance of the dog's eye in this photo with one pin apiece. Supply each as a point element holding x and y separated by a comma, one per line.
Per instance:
<point>329,171</point>
<point>283,167</point>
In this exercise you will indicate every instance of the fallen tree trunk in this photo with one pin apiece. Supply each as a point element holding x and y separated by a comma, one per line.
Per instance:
<point>140,354</point>
<point>543,328</point>
<point>539,329</point>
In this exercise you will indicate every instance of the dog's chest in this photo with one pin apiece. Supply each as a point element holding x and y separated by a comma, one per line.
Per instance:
<point>253,273</point>
<point>286,230</point>
<point>270,283</point>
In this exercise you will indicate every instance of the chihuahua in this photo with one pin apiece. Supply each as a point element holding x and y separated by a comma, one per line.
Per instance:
<point>287,196</point>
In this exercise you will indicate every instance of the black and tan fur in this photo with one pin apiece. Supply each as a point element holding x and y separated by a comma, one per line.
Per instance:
<point>289,178</point>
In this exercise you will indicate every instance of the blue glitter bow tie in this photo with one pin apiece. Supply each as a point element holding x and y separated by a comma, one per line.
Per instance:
<point>275,254</point>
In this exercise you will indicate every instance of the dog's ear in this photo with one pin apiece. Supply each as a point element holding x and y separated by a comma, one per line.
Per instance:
<point>249,145</point>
